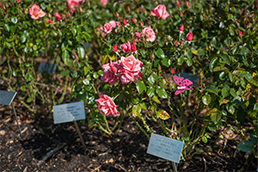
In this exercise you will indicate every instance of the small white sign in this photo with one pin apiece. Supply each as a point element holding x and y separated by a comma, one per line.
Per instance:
<point>165,147</point>
<point>69,112</point>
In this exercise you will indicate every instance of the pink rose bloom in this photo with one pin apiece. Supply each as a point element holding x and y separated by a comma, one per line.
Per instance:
<point>50,21</point>
<point>241,33</point>
<point>189,36</point>
<point>58,17</point>
<point>126,47</point>
<point>35,12</point>
<point>18,1</point>
<point>108,27</point>
<point>73,3</point>
<point>137,36</point>
<point>108,75</point>
<point>181,28</point>
<point>130,69</point>
<point>106,106</point>
<point>134,47</point>
<point>149,34</point>
<point>160,12</point>
<point>104,2</point>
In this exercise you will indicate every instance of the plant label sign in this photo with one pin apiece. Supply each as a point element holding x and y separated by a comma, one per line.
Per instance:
<point>6,97</point>
<point>47,67</point>
<point>165,147</point>
<point>69,112</point>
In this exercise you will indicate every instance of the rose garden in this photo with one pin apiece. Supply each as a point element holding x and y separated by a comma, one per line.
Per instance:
<point>98,85</point>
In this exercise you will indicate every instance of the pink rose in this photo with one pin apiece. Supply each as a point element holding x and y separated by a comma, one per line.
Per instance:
<point>74,3</point>
<point>130,69</point>
<point>104,2</point>
<point>149,34</point>
<point>108,27</point>
<point>241,33</point>
<point>115,48</point>
<point>106,106</point>
<point>134,47</point>
<point>58,17</point>
<point>50,21</point>
<point>160,12</point>
<point>137,36</point>
<point>189,36</point>
<point>181,28</point>
<point>108,73</point>
<point>18,1</point>
<point>35,12</point>
<point>126,47</point>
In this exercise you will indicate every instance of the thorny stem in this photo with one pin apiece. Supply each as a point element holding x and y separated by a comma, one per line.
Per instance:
<point>164,128</point>
<point>140,127</point>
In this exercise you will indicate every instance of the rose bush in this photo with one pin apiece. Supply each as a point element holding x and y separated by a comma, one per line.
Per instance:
<point>214,41</point>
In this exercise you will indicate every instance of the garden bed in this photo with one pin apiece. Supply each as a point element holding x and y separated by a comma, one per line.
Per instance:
<point>125,151</point>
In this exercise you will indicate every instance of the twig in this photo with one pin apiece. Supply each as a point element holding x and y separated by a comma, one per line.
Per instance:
<point>205,165</point>
<point>50,153</point>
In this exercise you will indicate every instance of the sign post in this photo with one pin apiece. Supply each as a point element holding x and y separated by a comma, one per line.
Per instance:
<point>166,148</point>
<point>70,112</point>
<point>6,98</point>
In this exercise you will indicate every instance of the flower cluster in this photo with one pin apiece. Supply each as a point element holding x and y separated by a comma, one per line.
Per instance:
<point>127,69</point>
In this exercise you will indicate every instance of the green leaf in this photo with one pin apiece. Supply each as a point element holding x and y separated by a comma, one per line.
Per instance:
<point>74,31</point>
<point>204,139</point>
<point>140,86</point>
<point>214,42</point>
<point>213,89</point>
<point>66,72</point>
<point>206,99</point>
<point>143,52</point>
<point>189,61</point>
<point>160,53</point>
<point>213,63</point>
<point>150,92</point>
<point>66,58</point>
<point>74,74</point>
<point>254,138</point>
<point>231,109</point>
<point>254,82</point>
<point>7,28</point>
<point>233,92</point>
<point>162,93</point>
<point>226,58</point>
<point>215,117</point>
<point>136,110</point>
<point>246,146</point>
<point>225,92</point>
<point>29,99</point>
<point>256,106</point>
<point>81,51</point>
<point>180,60</point>
<point>151,79</point>
<point>14,19</point>
<point>155,99</point>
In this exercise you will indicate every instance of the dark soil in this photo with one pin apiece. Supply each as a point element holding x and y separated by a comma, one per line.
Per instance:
<point>125,151</point>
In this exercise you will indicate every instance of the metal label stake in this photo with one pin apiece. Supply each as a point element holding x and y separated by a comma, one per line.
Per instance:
<point>6,98</point>
<point>80,135</point>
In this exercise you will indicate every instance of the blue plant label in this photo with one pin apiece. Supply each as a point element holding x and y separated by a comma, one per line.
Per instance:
<point>6,97</point>
<point>69,112</point>
<point>165,147</point>
<point>47,67</point>
<point>192,77</point>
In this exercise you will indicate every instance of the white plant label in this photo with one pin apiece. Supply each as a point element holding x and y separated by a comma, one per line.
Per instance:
<point>69,112</point>
<point>165,147</point>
